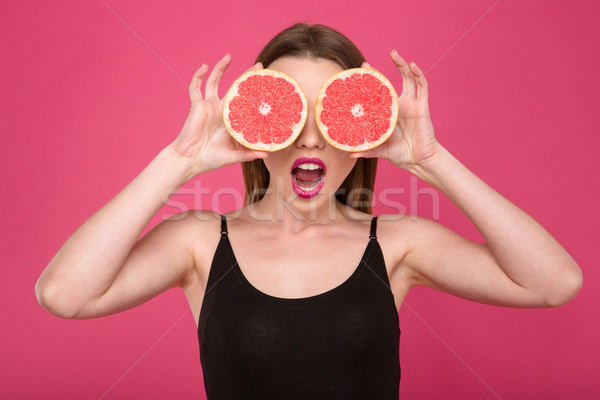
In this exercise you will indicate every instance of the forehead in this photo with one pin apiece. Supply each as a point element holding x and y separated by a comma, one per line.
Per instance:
<point>310,73</point>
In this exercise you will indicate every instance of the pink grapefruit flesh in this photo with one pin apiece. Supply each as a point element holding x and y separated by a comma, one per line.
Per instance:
<point>265,110</point>
<point>357,109</point>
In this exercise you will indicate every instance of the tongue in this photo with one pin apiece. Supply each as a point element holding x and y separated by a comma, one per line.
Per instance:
<point>308,175</point>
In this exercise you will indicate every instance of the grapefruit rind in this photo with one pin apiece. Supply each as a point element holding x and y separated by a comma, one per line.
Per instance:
<point>365,145</point>
<point>233,92</point>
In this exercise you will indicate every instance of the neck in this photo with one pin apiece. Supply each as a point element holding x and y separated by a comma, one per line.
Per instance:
<point>296,213</point>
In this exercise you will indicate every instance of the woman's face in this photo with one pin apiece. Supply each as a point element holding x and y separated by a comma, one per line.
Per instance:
<point>282,165</point>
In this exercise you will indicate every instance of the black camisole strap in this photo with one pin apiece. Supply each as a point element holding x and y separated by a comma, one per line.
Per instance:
<point>223,225</point>
<point>373,228</point>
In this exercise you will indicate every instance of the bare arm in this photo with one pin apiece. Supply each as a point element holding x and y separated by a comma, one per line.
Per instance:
<point>520,265</point>
<point>103,268</point>
<point>89,262</point>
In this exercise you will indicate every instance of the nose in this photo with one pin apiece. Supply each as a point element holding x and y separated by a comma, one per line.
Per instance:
<point>310,137</point>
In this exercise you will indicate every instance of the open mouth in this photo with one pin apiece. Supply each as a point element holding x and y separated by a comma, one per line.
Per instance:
<point>308,177</point>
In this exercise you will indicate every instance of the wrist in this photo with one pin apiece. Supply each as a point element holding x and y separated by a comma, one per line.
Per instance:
<point>181,167</point>
<point>430,168</point>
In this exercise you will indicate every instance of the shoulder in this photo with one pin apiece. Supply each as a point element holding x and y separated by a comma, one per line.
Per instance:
<point>409,229</point>
<point>198,231</point>
<point>398,236</point>
<point>198,226</point>
<point>395,227</point>
<point>192,220</point>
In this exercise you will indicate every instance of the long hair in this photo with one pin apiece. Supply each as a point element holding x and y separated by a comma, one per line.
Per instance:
<point>315,41</point>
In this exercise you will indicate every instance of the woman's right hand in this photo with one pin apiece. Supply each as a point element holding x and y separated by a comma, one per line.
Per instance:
<point>204,140</point>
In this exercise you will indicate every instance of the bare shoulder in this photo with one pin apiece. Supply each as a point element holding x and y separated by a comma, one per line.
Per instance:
<point>398,234</point>
<point>199,231</point>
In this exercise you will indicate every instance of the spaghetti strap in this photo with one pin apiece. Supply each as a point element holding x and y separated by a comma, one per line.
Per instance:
<point>373,228</point>
<point>223,225</point>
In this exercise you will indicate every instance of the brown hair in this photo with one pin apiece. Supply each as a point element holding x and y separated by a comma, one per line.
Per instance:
<point>315,41</point>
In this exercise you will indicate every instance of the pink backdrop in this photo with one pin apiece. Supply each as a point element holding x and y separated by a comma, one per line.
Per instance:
<point>91,91</point>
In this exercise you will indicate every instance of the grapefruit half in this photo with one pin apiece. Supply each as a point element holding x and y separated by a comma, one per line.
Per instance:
<point>357,109</point>
<point>265,110</point>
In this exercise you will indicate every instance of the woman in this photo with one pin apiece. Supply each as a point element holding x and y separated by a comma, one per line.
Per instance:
<point>293,296</point>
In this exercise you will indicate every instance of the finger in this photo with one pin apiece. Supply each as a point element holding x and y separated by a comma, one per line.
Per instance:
<point>212,84</point>
<point>368,66</point>
<point>256,66</point>
<point>372,153</point>
<point>408,80</point>
<point>195,93</point>
<point>422,91</point>
<point>245,154</point>
<point>260,154</point>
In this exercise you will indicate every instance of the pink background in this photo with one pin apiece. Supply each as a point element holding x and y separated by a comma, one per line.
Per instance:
<point>92,91</point>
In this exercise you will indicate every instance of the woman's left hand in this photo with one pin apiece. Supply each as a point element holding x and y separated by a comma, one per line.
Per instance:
<point>413,140</point>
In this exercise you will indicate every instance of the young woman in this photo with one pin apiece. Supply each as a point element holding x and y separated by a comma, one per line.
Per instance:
<point>296,296</point>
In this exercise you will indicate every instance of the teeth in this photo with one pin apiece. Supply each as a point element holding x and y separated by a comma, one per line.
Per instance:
<point>308,166</point>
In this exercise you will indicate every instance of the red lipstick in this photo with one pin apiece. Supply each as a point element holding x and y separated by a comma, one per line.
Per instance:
<point>309,177</point>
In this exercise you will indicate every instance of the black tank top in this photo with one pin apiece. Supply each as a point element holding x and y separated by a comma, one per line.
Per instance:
<point>340,344</point>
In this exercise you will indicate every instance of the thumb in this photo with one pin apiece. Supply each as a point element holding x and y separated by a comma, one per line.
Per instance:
<point>261,154</point>
<point>245,154</point>
<point>371,153</point>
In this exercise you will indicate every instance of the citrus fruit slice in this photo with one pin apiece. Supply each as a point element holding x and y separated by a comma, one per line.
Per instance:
<point>356,109</point>
<point>265,110</point>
